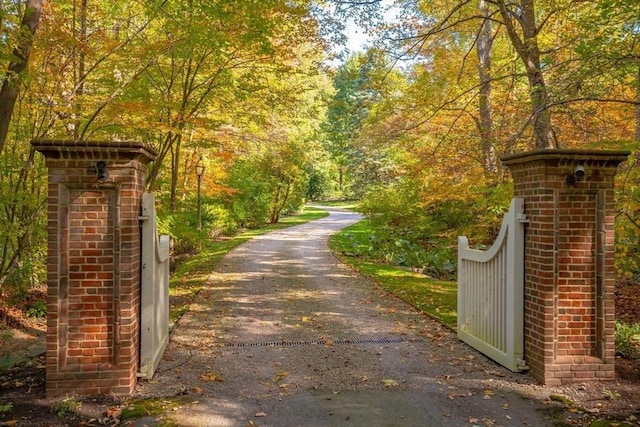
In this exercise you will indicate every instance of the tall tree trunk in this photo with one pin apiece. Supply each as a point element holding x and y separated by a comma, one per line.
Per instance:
<point>483,50</point>
<point>638,104</point>
<point>175,171</point>
<point>81,69</point>
<point>9,90</point>
<point>529,52</point>
<point>275,209</point>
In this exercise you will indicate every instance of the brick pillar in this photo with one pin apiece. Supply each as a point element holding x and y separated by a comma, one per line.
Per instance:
<point>569,251</point>
<point>93,276</point>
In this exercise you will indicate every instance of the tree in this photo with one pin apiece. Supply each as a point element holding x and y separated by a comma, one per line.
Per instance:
<point>520,22</point>
<point>484,46</point>
<point>23,39</point>
<point>359,85</point>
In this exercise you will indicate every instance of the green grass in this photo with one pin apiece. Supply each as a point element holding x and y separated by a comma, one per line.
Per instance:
<point>345,204</point>
<point>153,407</point>
<point>192,273</point>
<point>436,298</point>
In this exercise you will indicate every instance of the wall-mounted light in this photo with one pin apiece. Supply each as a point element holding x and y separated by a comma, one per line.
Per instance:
<point>577,176</point>
<point>100,169</point>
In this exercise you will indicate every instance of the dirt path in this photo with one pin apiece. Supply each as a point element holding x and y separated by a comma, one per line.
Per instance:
<point>285,335</point>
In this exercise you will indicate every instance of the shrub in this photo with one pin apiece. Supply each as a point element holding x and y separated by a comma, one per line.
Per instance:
<point>27,273</point>
<point>37,309</point>
<point>627,227</point>
<point>628,340</point>
<point>5,407</point>
<point>216,220</point>
<point>413,232</point>
<point>69,405</point>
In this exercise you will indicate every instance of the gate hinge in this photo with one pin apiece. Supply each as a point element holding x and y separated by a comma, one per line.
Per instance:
<point>522,365</point>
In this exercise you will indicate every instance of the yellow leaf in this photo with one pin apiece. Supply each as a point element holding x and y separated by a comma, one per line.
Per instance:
<point>390,383</point>
<point>211,376</point>
<point>280,376</point>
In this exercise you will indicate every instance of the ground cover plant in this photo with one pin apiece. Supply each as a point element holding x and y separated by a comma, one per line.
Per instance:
<point>435,297</point>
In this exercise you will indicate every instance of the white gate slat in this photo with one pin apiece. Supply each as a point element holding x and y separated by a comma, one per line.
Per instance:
<point>491,293</point>
<point>154,296</point>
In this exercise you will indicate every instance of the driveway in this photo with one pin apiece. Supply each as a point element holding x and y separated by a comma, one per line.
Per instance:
<point>286,335</point>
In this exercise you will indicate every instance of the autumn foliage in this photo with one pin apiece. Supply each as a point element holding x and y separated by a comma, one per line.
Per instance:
<point>413,126</point>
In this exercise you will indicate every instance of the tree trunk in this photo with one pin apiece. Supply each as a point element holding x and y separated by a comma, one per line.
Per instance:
<point>81,69</point>
<point>9,90</point>
<point>638,105</point>
<point>175,171</point>
<point>274,216</point>
<point>529,52</point>
<point>483,50</point>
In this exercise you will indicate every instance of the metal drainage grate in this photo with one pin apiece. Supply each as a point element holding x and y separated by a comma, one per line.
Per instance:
<point>322,342</point>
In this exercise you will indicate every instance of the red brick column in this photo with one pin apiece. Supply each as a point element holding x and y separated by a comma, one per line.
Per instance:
<point>569,251</point>
<point>93,265</point>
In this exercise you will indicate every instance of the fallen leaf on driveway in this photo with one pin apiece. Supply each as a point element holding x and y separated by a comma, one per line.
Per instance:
<point>390,383</point>
<point>260,414</point>
<point>211,376</point>
<point>280,376</point>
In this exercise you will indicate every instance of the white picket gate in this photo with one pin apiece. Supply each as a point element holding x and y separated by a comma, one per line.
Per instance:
<point>154,309</point>
<point>491,293</point>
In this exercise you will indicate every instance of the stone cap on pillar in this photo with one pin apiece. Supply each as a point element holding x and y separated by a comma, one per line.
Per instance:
<point>601,158</point>
<point>98,150</point>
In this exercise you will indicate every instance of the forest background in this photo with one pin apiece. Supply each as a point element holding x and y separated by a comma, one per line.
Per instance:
<point>412,126</point>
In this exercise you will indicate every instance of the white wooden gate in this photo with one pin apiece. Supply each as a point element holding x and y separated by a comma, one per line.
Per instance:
<point>154,310</point>
<point>491,293</point>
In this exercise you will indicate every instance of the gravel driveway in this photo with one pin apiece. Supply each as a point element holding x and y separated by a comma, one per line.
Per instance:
<point>285,335</point>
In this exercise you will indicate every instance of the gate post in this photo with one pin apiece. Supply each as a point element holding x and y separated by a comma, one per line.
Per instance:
<point>569,250</point>
<point>93,273</point>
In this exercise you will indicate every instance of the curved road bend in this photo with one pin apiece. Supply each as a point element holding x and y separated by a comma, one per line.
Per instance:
<point>286,335</point>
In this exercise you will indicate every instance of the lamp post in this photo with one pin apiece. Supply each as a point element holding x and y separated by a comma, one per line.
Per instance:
<point>199,173</point>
